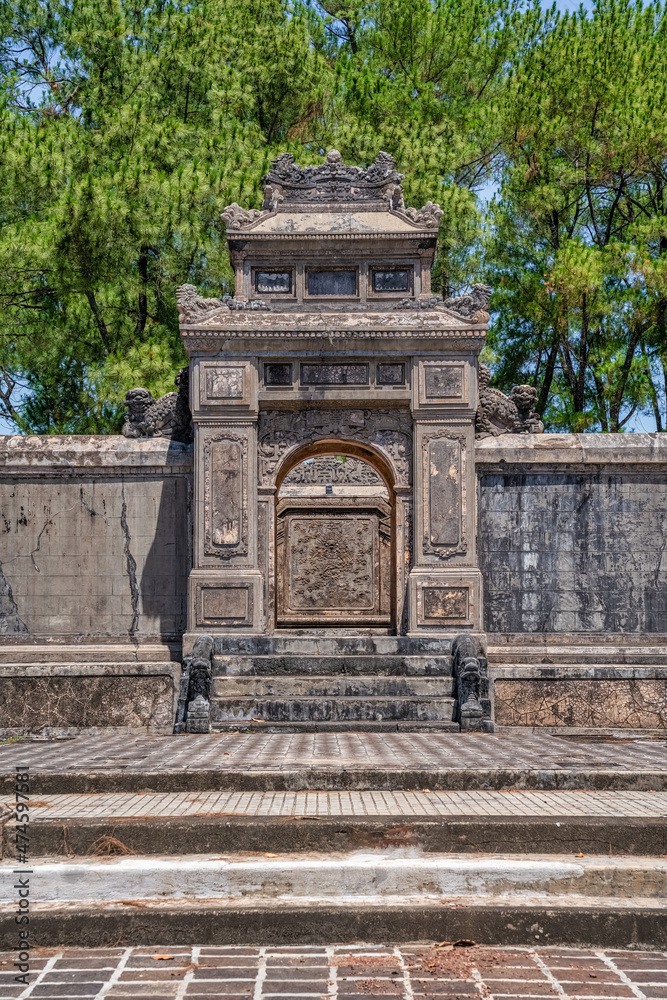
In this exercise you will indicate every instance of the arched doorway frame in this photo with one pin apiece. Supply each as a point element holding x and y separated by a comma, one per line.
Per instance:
<point>350,449</point>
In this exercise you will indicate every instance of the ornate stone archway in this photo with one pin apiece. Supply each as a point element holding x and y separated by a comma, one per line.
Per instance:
<point>334,336</point>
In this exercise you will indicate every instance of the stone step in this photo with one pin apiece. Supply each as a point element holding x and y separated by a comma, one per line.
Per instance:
<point>328,726</point>
<point>52,653</point>
<point>386,874</point>
<point>292,665</point>
<point>336,709</point>
<point>518,822</point>
<point>332,686</point>
<point>605,655</point>
<point>510,919</point>
<point>324,643</point>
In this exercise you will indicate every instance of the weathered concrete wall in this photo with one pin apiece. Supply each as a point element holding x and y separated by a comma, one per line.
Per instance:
<point>94,538</point>
<point>95,541</point>
<point>572,531</point>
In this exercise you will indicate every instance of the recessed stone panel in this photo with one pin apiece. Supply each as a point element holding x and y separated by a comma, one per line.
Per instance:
<point>390,373</point>
<point>443,382</point>
<point>621,703</point>
<point>225,604</point>
<point>224,383</point>
<point>227,492</point>
<point>446,604</point>
<point>443,515</point>
<point>225,495</point>
<point>278,373</point>
<point>58,702</point>
<point>331,563</point>
<point>343,374</point>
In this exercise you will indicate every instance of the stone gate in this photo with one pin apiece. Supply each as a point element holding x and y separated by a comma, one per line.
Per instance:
<point>334,346</point>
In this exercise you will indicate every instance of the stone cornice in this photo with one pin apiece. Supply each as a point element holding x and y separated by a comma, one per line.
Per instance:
<point>395,323</point>
<point>87,452</point>
<point>506,450</point>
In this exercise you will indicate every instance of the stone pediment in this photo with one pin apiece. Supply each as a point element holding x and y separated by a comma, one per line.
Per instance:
<point>322,223</point>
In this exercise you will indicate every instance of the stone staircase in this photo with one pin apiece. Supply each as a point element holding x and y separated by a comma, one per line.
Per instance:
<point>223,863</point>
<point>360,683</point>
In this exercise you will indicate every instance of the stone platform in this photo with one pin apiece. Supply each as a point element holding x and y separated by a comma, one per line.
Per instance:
<point>334,761</point>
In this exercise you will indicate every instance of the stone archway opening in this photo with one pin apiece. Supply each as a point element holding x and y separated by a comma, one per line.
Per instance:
<point>335,539</point>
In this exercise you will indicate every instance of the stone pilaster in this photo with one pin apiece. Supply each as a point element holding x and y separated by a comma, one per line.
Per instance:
<point>225,586</point>
<point>445,585</point>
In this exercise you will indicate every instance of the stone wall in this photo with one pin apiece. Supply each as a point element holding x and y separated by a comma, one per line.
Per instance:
<point>95,549</point>
<point>95,537</point>
<point>572,531</point>
<point>95,541</point>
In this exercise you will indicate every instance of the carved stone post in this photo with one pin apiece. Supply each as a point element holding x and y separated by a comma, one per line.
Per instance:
<point>445,584</point>
<point>225,585</point>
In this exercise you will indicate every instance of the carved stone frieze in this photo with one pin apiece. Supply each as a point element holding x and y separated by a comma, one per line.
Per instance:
<point>471,306</point>
<point>236,217</point>
<point>193,308</point>
<point>388,431</point>
<point>500,414</point>
<point>327,469</point>
<point>332,181</point>
<point>226,494</point>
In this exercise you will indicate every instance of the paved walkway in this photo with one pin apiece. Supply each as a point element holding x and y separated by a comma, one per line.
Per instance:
<point>343,971</point>
<point>334,751</point>
<point>183,805</point>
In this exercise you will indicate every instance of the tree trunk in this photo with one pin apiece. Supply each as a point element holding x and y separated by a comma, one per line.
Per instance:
<point>548,376</point>
<point>580,383</point>
<point>142,315</point>
<point>99,319</point>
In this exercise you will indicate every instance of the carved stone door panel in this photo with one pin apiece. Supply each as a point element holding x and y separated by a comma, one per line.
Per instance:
<point>333,561</point>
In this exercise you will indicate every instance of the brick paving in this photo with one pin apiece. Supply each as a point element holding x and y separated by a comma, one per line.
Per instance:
<point>181,805</point>
<point>349,971</point>
<point>351,751</point>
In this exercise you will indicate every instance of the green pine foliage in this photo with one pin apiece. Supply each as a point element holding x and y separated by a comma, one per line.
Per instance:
<point>125,129</point>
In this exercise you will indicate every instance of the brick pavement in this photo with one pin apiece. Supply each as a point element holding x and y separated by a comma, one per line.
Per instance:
<point>351,972</point>
<point>351,751</point>
<point>181,805</point>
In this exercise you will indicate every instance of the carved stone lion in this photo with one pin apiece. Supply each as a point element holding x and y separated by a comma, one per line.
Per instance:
<point>168,416</point>
<point>501,414</point>
<point>524,398</point>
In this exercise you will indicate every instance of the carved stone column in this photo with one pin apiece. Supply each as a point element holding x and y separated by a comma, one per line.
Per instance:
<point>445,584</point>
<point>225,585</point>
